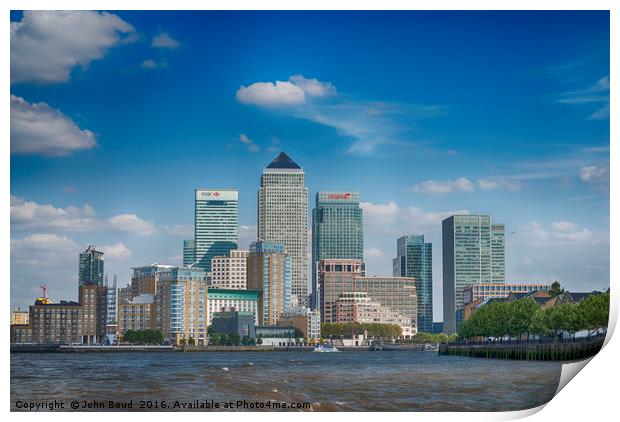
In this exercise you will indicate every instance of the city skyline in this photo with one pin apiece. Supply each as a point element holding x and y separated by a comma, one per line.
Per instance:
<point>446,144</point>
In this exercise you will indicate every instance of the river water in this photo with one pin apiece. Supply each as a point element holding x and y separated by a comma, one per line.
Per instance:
<point>346,381</point>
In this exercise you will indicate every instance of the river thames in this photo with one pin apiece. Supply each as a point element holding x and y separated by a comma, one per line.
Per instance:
<point>346,381</point>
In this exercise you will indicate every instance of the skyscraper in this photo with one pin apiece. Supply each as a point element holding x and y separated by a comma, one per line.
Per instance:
<point>467,259</point>
<point>337,231</point>
<point>283,217</point>
<point>498,255</point>
<point>215,225</point>
<point>414,258</point>
<point>91,267</point>
<point>269,272</point>
<point>189,252</point>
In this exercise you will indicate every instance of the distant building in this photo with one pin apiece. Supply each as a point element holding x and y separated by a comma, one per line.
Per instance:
<point>337,231</point>
<point>239,300</point>
<point>283,217</point>
<point>215,224</point>
<point>234,322</point>
<point>335,276</point>
<point>489,290</point>
<point>139,314</point>
<point>189,252</point>
<point>269,271</point>
<point>90,267</point>
<point>93,299</point>
<point>414,258</point>
<point>181,300</point>
<point>230,272</point>
<point>19,317</point>
<point>56,323</point>
<point>305,320</point>
<point>358,307</point>
<point>470,246</point>
<point>277,331</point>
<point>144,279</point>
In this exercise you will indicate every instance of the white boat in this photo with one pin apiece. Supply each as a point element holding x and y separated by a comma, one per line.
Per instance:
<point>325,348</point>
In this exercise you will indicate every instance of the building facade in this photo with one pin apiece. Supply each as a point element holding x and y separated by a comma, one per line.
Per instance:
<point>234,322</point>
<point>138,314</point>
<point>181,301</point>
<point>305,320</point>
<point>497,290</point>
<point>93,299</point>
<point>283,217</point>
<point>19,317</point>
<point>230,272</point>
<point>468,259</point>
<point>55,323</point>
<point>144,279</point>
<point>90,270</point>
<point>498,253</point>
<point>232,299</point>
<point>337,231</point>
<point>414,258</point>
<point>189,252</point>
<point>215,225</point>
<point>269,271</point>
<point>335,276</point>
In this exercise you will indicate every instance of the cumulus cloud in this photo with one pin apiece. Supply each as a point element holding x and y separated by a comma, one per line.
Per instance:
<point>270,94</point>
<point>561,231</point>
<point>434,187</point>
<point>373,253</point>
<point>47,45</point>
<point>313,87</point>
<point>39,129</point>
<point>118,251</point>
<point>43,249</point>
<point>164,40</point>
<point>595,174</point>
<point>249,143</point>
<point>32,215</point>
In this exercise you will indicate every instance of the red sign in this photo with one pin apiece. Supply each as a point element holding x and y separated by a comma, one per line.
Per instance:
<point>339,196</point>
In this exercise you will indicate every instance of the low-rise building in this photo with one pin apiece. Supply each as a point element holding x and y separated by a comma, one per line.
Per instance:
<point>305,320</point>
<point>19,317</point>
<point>139,314</point>
<point>491,290</point>
<point>56,323</point>
<point>240,300</point>
<point>234,322</point>
<point>230,272</point>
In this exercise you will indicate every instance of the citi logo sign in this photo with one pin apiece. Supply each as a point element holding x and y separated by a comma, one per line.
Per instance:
<point>339,196</point>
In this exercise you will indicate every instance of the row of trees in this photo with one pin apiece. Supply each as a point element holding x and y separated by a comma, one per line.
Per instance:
<point>232,340</point>
<point>335,330</point>
<point>524,317</point>
<point>428,338</point>
<point>143,336</point>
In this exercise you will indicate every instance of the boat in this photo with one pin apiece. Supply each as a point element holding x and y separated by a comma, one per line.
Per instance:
<point>326,348</point>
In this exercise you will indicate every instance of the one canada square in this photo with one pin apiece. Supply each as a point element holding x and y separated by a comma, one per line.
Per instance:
<point>283,217</point>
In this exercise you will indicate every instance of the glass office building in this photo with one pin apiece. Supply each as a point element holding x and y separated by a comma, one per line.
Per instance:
<point>469,247</point>
<point>414,258</point>
<point>189,252</point>
<point>215,225</point>
<point>337,231</point>
<point>91,267</point>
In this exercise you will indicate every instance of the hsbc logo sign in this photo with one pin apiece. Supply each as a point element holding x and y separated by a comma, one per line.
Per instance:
<point>220,195</point>
<point>210,194</point>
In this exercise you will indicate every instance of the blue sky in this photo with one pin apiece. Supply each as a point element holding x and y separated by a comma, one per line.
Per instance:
<point>117,117</point>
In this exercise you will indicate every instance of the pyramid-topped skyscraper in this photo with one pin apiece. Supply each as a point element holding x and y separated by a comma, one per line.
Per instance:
<point>283,217</point>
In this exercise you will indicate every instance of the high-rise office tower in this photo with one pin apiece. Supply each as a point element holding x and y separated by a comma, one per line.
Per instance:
<point>283,217</point>
<point>414,258</point>
<point>498,254</point>
<point>91,267</point>
<point>467,259</point>
<point>215,225</point>
<point>337,231</point>
<point>269,272</point>
<point>189,252</point>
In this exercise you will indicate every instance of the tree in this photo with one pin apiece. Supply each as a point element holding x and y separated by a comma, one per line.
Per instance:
<point>191,341</point>
<point>520,316</point>
<point>234,339</point>
<point>539,325</point>
<point>594,311</point>
<point>259,340</point>
<point>556,289</point>
<point>214,339</point>
<point>183,342</point>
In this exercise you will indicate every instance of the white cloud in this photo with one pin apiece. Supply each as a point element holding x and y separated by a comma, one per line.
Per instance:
<point>27,215</point>
<point>313,87</point>
<point>434,187</point>
<point>184,230</point>
<point>43,249</point>
<point>373,253</point>
<point>595,174</point>
<point>270,94</point>
<point>164,40</point>
<point>117,251</point>
<point>561,231</point>
<point>594,94</point>
<point>132,223</point>
<point>39,129</point>
<point>152,64</point>
<point>249,143</point>
<point>500,182</point>
<point>47,45</point>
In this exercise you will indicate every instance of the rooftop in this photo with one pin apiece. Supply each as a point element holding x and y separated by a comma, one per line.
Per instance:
<point>283,161</point>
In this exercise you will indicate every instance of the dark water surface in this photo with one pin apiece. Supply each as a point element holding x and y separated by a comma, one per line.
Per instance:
<point>348,381</point>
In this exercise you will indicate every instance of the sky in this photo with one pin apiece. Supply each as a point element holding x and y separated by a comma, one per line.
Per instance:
<point>116,117</point>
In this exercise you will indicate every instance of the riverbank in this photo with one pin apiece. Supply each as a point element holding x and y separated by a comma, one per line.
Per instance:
<point>554,351</point>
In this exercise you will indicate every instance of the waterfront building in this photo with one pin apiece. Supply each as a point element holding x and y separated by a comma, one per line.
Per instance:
<point>19,317</point>
<point>138,314</point>
<point>181,300</point>
<point>305,320</point>
<point>283,217</point>
<point>269,270</point>
<point>124,295</point>
<point>414,258</point>
<point>234,322</point>
<point>335,276</point>
<point>189,252</point>
<point>395,293</point>
<point>232,299</point>
<point>110,308</point>
<point>55,323</point>
<point>468,253</point>
<point>229,272</point>
<point>488,290</point>
<point>337,231</point>
<point>215,225</point>
<point>21,333</point>
<point>93,299</point>
<point>90,269</point>
<point>144,279</point>
<point>358,307</point>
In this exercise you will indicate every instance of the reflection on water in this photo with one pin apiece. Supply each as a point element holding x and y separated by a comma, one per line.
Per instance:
<point>387,381</point>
